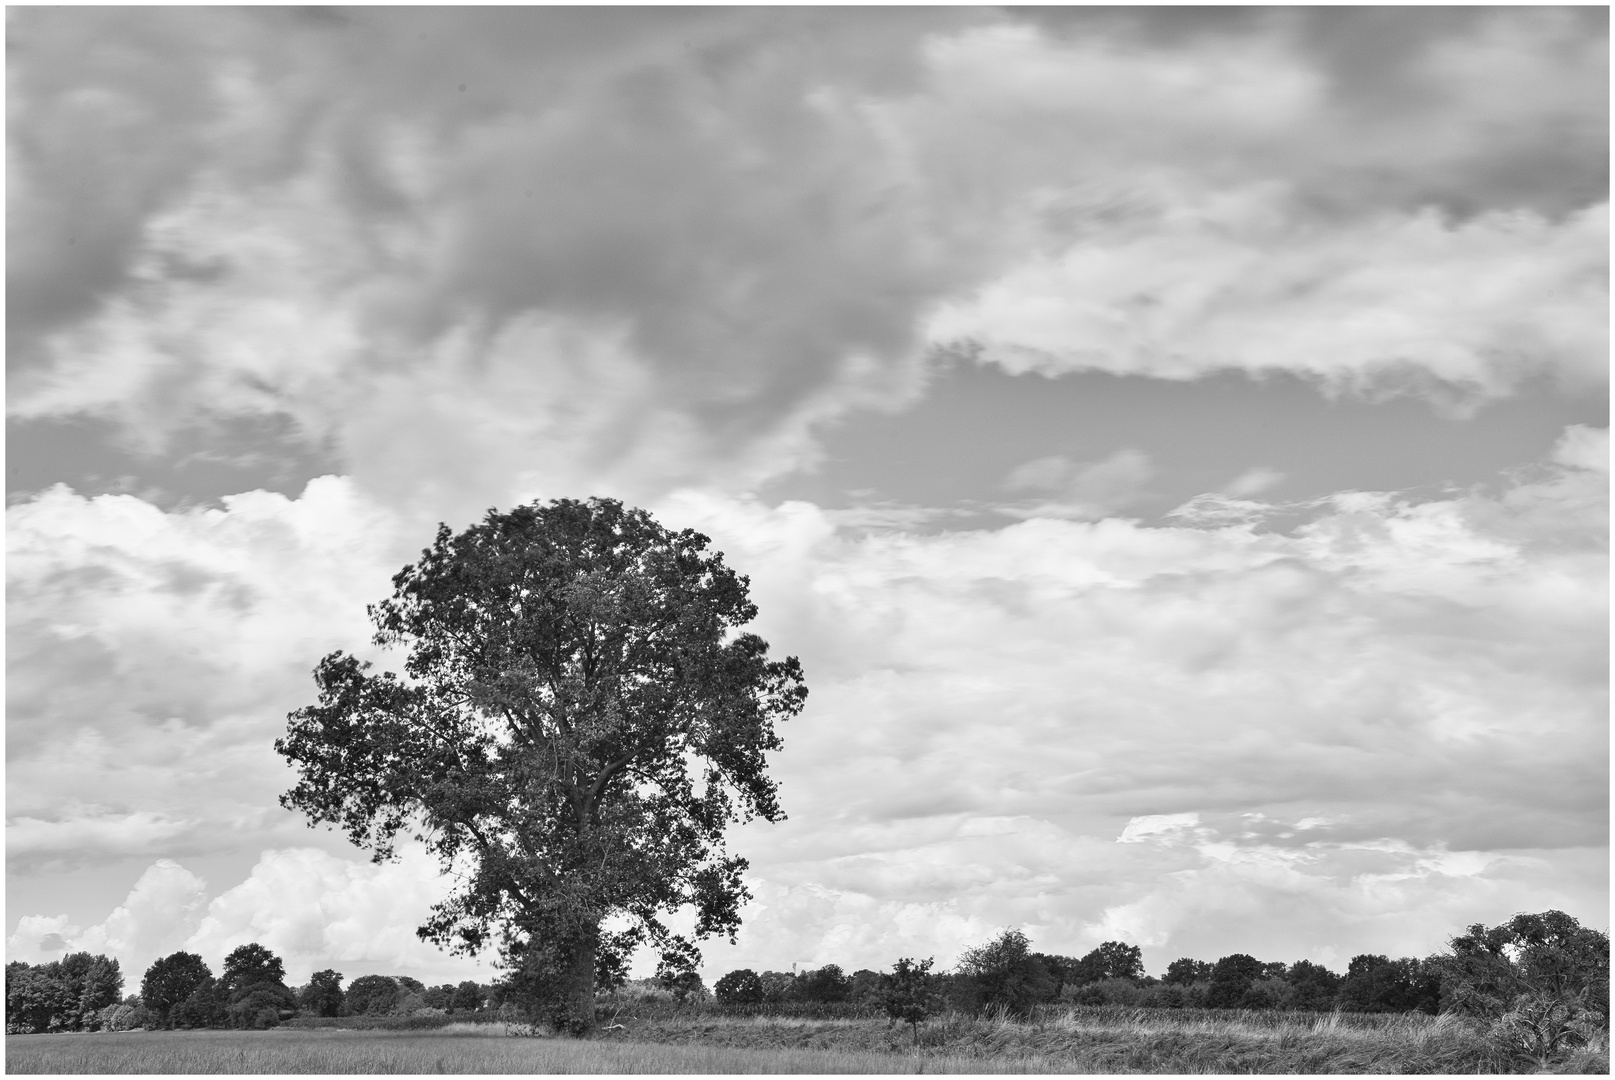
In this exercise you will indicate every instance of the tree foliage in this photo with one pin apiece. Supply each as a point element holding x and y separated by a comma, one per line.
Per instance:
<point>372,995</point>
<point>247,967</point>
<point>1005,974</point>
<point>170,980</point>
<point>909,994</point>
<point>742,987</point>
<point>581,719</point>
<point>323,994</point>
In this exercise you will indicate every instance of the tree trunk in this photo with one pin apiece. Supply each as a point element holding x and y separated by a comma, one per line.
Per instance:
<point>579,983</point>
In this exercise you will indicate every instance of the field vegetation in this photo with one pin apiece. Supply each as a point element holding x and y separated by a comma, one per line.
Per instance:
<point>1078,1039</point>
<point>1531,995</point>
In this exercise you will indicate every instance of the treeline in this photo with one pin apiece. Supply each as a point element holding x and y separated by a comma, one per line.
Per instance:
<point>82,992</point>
<point>1541,962</point>
<point>1008,973</point>
<point>1531,967</point>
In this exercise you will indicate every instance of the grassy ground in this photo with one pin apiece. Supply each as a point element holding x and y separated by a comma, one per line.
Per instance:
<point>444,1051</point>
<point>1081,1041</point>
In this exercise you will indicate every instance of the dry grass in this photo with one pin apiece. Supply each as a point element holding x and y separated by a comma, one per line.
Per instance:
<point>1104,1040</point>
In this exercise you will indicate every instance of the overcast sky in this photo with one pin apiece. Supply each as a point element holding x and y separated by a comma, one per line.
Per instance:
<point>1174,441</point>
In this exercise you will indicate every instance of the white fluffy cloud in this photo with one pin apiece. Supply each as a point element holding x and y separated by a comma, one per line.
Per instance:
<point>1394,713</point>
<point>312,909</point>
<point>153,658</point>
<point>1418,687</point>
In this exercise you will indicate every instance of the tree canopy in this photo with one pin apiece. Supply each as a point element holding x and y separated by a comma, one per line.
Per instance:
<point>581,718</point>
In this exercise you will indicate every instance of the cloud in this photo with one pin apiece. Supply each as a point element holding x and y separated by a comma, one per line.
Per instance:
<point>1391,716</point>
<point>157,918</point>
<point>317,910</point>
<point>1414,692</point>
<point>312,909</point>
<point>1254,481</point>
<point>1462,313</point>
<point>632,253</point>
<point>1083,489</point>
<point>153,658</point>
<point>1583,447</point>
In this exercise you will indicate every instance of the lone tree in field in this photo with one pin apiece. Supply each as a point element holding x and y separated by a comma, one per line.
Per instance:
<point>581,719</point>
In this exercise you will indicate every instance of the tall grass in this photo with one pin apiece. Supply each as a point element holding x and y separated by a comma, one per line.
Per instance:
<point>437,1052</point>
<point>1100,1039</point>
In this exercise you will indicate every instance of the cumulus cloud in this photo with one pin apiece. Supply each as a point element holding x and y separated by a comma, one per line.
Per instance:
<point>1393,714</point>
<point>153,658</point>
<point>1413,692</point>
<point>312,909</point>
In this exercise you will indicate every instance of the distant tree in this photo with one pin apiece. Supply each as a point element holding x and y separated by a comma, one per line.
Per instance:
<point>323,994</point>
<point>683,984</point>
<point>409,985</point>
<point>778,986</point>
<point>1230,978</point>
<point>909,994</point>
<point>827,985</point>
<point>1184,971</point>
<point>1111,960</point>
<point>583,719</point>
<point>247,967</point>
<point>742,987</point>
<point>863,985</point>
<point>204,1007</point>
<point>1376,983</point>
<point>170,980</point>
<point>468,996</point>
<point>102,986</point>
<point>1004,974</point>
<point>263,1005</point>
<point>37,1000</point>
<point>1313,986</point>
<point>438,997</point>
<point>372,995</point>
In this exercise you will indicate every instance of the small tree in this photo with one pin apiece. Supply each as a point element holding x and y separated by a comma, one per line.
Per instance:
<point>171,980</point>
<point>582,720</point>
<point>909,994</point>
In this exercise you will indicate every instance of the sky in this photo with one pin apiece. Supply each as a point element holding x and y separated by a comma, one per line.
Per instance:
<point>1174,441</point>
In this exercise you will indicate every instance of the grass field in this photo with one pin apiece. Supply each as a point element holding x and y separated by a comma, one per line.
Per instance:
<point>1080,1041</point>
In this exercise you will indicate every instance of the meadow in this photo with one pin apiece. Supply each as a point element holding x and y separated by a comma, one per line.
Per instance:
<point>1071,1041</point>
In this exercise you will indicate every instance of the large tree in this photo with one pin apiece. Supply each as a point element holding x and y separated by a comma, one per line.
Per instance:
<point>581,718</point>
